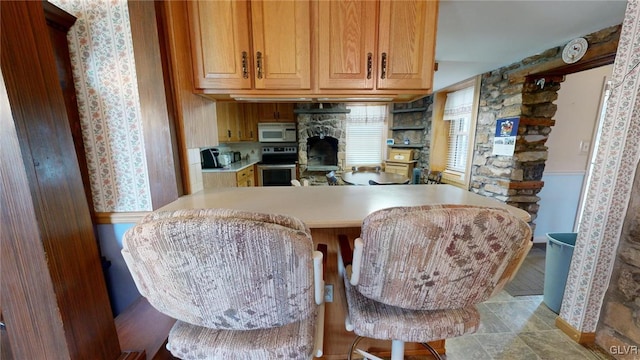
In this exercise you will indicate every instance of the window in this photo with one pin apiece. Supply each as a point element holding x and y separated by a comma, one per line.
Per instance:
<point>458,110</point>
<point>455,111</point>
<point>366,129</point>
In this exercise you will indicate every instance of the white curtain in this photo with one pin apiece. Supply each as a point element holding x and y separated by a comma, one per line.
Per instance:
<point>459,104</point>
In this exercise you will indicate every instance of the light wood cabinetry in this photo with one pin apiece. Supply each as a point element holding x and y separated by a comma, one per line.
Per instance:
<point>222,32</point>
<point>402,168</point>
<point>350,56</point>
<point>229,116</point>
<point>260,49</point>
<point>276,112</point>
<point>249,125</point>
<point>237,121</point>
<point>407,35</point>
<point>219,179</point>
<point>347,52</point>
<point>245,178</point>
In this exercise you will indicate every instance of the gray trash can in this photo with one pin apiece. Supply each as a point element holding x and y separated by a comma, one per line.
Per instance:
<point>556,267</point>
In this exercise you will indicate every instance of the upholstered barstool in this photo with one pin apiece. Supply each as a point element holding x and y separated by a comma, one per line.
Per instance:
<point>241,285</point>
<point>417,273</point>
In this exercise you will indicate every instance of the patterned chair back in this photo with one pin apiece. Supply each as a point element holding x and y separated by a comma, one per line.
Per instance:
<point>439,256</point>
<point>223,269</point>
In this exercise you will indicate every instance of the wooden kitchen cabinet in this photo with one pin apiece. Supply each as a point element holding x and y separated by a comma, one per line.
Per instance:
<point>221,179</point>
<point>402,168</point>
<point>229,116</point>
<point>237,121</point>
<point>276,112</point>
<point>245,178</point>
<point>222,31</point>
<point>350,56</point>
<point>249,124</point>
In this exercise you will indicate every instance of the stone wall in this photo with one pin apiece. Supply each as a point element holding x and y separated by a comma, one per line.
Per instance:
<point>619,326</point>
<point>417,119</point>
<point>506,93</point>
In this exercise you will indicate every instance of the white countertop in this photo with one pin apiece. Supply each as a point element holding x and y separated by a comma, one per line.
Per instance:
<point>233,167</point>
<point>333,206</point>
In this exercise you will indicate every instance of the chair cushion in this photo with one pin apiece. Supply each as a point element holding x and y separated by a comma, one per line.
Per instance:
<point>376,320</point>
<point>292,341</point>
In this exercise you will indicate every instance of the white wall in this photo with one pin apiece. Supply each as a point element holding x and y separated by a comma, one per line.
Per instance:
<point>578,104</point>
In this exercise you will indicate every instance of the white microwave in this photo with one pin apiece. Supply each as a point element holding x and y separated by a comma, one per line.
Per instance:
<point>277,132</point>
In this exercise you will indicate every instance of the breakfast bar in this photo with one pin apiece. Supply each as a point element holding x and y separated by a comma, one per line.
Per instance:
<point>336,206</point>
<point>330,211</point>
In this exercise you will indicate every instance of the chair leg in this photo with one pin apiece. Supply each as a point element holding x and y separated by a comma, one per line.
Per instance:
<point>353,346</point>
<point>397,350</point>
<point>432,351</point>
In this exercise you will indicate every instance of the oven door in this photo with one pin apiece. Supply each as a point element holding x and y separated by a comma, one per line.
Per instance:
<point>276,175</point>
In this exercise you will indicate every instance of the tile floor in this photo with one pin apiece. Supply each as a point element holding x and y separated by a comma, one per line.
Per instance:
<point>517,328</point>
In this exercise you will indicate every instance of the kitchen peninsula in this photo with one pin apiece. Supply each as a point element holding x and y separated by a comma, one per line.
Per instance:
<point>333,210</point>
<point>324,207</point>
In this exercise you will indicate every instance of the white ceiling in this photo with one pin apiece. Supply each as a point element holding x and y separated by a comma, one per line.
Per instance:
<point>476,36</point>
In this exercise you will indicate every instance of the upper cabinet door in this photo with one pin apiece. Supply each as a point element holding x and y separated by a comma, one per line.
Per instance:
<point>220,44</point>
<point>281,44</point>
<point>347,56</point>
<point>406,44</point>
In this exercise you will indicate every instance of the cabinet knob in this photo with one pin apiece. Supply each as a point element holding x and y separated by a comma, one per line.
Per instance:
<point>383,73</point>
<point>369,65</point>
<point>259,64</point>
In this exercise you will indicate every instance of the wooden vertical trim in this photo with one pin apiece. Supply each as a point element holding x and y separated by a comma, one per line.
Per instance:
<point>157,130</point>
<point>34,327</point>
<point>195,116</point>
<point>64,312</point>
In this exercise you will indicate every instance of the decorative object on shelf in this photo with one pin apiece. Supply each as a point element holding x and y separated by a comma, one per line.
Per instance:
<point>574,50</point>
<point>406,141</point>
<point>390,141</point>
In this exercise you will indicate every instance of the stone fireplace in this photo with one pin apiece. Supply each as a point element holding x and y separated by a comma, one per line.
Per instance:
<point>321,140</point>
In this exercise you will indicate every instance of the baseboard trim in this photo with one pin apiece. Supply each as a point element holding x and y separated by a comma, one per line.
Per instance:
<point>120,217</point>
<point>577,336</point>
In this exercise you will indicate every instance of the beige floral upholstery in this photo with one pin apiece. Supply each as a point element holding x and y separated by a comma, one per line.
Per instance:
<point>425,268</point>
<point>220,271</point>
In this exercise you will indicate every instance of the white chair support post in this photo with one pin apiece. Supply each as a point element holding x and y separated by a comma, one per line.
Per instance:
<point>318,280</point>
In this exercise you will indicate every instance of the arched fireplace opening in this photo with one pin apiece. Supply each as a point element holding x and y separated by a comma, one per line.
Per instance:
<point>322,153</point>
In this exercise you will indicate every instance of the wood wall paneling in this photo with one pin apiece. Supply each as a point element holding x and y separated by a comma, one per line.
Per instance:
<point>58,307</point>
<point>195,115</point>
<point>164,173</point>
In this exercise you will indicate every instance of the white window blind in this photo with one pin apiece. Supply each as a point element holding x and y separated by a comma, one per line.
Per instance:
<point>457,110</point>
<point>366,127</point>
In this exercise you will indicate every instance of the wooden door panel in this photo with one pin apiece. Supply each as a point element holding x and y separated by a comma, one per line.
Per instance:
<point>347,44</point>
<point>220,44</point>
<point>281,38</point>
<point>407,40</point>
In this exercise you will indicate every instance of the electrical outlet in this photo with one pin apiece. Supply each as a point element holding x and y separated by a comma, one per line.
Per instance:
<point>584,147</point>
<point>328,293</point>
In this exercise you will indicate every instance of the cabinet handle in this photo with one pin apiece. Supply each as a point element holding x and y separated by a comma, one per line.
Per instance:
<point>278,115</point>
<point>259,64</point>
<point>369,65</point>
<point>229,133</point>
<point>245,72</point>
<point>383,74</point>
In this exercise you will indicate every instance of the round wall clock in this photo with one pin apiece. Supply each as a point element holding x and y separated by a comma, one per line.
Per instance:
<point>574,50</point>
